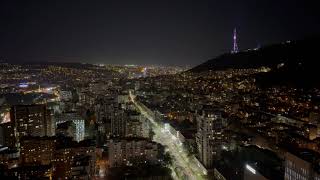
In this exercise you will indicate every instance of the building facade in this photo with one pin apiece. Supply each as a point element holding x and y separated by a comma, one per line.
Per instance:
<point>130,151</point>
<point>301,165</point>
<point>209,137</point>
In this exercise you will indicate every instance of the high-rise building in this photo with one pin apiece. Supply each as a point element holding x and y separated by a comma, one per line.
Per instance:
<point>133,128</point>
<point>28,120</point>
<point>136,125</point>
<point>104,109</point>
<point>302,165</point>
<point>209,137</point>
<point>37,150</point>
<point>78,131</point>
<point>74,160</point>
<point>130,151</point>
<point>123,98</point>
<point>120,119</point>
<point>7,134</point>
<point>50,124</point>
<point>65,95</point>
<point>118,122</point>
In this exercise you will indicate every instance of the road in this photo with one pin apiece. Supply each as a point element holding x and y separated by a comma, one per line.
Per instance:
<point>184,166</point>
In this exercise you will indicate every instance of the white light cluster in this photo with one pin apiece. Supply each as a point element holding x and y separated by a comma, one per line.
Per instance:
<point>251,169</point>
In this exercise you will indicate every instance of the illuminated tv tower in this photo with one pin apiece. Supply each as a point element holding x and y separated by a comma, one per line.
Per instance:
<point>235,44</point>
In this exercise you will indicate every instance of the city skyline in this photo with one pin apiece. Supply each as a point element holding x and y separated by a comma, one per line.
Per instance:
<point>170,90</point>
<point>254,116</point>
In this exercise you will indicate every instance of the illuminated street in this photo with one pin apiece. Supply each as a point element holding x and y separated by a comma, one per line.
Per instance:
<point>181,90</point>
<point>184,166</point>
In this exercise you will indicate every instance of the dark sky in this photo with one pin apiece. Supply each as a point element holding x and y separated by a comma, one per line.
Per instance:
<point>147,31</point>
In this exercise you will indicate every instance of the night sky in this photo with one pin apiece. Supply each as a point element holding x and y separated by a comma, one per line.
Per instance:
<point>147,31</point>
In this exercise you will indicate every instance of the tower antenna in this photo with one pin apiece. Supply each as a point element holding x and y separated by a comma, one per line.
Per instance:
<point>235,43</point>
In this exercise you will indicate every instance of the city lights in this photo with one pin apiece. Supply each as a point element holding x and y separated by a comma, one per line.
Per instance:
<point>251,169</point>
<point>157,90</point>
